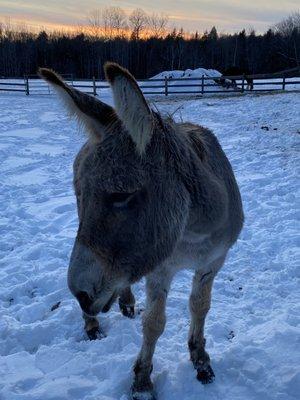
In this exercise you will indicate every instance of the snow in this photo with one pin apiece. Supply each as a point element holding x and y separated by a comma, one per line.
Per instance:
<point>175,76</point>
<point>188,73</point>
<point>253,327</point>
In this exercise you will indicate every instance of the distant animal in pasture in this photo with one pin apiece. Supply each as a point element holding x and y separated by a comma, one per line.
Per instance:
<point>153,197</point>
<point>236,71</point>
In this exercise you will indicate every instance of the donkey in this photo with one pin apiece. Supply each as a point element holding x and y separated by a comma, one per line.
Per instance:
<point>153,197</point>
<point>236,71</point>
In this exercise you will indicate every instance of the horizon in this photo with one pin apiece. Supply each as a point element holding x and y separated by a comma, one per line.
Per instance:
<point>228,16</point>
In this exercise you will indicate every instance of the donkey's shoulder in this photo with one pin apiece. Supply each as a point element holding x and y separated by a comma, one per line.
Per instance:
<point>200,138</point>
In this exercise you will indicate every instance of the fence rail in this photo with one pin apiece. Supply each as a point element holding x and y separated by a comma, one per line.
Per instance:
<point>167,86</point>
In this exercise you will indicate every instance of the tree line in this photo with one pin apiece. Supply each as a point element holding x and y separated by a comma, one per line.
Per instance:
<point>144,44</point>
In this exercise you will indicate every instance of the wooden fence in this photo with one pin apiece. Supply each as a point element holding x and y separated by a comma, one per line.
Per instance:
<point>167,86</point>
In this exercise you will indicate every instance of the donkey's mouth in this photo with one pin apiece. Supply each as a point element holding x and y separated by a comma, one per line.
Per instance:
<point>110,302</point>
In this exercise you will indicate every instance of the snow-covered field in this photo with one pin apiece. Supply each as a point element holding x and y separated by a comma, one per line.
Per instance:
<point>193,84</point>
<point>253,333</point>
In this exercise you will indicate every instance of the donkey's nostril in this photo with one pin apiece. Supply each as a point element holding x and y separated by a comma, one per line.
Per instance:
<point>84,301</point>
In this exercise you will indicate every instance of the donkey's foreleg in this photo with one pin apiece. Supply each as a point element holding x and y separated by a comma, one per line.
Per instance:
<point>200,300</point>
<point>92,327</point>
<point>199,306</point>
<point>154,320</point>
<point>126,302</point>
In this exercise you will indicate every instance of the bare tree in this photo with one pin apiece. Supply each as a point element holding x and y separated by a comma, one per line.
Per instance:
<point>289,30</point>
<point>1,30</point>
<point>288,25</point>
<point>114,21</point>
<point>138,21</point>
<point>157,24</point>
<point>94,19</point>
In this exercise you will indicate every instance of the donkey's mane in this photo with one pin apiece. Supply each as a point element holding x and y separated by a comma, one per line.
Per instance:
<point>183,145</point>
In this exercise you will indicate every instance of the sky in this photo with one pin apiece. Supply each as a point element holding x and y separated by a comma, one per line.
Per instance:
<point>192,15</point>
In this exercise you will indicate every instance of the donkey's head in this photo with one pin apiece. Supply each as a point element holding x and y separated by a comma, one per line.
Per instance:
<point>132,200</point>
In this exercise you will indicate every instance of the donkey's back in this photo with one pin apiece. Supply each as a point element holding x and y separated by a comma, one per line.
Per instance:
<point>213,158</point>
<point>216,211</point>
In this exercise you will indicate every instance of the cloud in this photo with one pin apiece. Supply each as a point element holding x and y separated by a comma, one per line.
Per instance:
<point>227,15</point>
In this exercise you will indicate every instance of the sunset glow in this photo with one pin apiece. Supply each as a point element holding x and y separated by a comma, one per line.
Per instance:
<point>192,15</point>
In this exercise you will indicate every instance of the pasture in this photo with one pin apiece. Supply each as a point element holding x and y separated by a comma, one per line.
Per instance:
<point>252,329</point>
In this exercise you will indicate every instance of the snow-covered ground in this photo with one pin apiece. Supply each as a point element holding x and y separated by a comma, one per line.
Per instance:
<point>188,73</point>
<point>177,82</point>
<point>252,332</point>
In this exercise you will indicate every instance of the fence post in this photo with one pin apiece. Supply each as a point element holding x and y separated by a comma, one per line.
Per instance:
<point>283,82</point>
<point>166,86</point>
<point>26,85</point>
<point>202,84</point>
<point>94,87</point>
<point>243,83</point>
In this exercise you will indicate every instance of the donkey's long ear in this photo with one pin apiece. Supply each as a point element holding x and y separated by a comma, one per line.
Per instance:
<point>92,113</point>
<point>130,104</point>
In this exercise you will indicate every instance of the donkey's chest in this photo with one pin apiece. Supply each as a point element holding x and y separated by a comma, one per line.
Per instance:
<point>196,251</point>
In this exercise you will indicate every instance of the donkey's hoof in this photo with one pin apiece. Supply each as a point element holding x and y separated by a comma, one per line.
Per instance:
<point>205,374</point>
<point>142,395</point>
<point>95,333</point>
<point>127,311</point>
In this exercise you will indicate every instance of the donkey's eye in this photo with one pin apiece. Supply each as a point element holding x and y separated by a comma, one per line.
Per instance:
<point>121,200</point>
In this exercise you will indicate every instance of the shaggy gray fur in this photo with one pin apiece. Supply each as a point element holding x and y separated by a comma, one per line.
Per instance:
<point>148,210</point>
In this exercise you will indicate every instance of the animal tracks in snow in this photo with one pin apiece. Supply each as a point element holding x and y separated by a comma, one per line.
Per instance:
<point>252,333</point>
